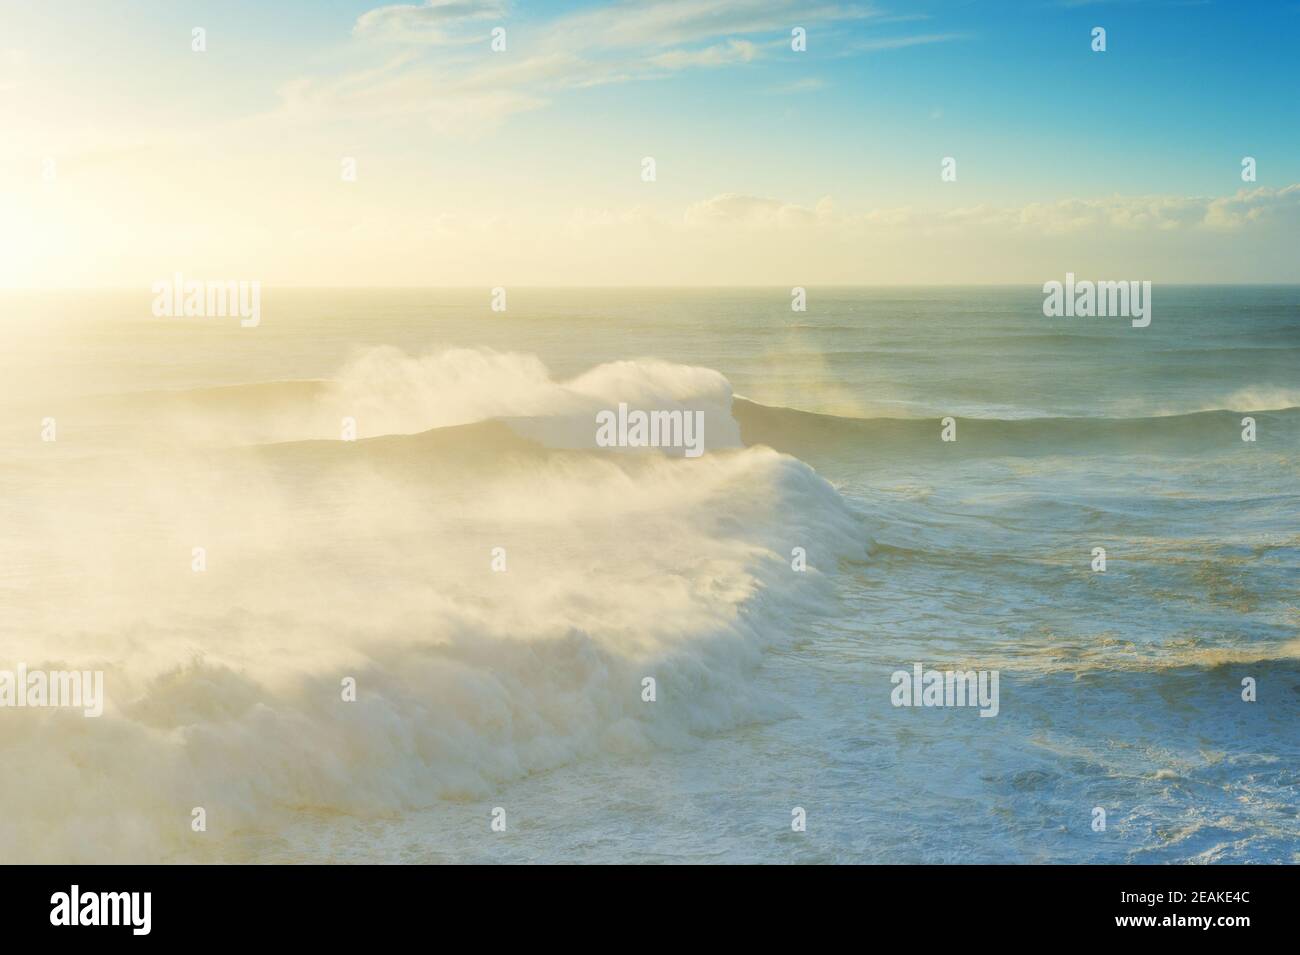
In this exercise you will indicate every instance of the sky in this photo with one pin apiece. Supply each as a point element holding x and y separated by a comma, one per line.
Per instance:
<point>127,156</point>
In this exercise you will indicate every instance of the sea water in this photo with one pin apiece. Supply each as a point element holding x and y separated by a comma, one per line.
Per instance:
<point>181,511</point>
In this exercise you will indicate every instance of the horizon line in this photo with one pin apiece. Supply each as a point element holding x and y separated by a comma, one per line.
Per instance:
<point>626,287</point>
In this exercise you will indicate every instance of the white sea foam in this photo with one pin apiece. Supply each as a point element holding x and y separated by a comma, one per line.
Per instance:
<point>373,561</point>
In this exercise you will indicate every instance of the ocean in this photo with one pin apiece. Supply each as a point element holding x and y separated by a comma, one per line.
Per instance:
<point>432,643</point>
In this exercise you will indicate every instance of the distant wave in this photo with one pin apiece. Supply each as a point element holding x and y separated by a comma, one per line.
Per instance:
<point>1107,655</point>
<point>388,393</point>
<point>393,394</point>
<point>804,433</point>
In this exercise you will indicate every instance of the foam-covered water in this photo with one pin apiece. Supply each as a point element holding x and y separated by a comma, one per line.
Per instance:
<point>521,688</point>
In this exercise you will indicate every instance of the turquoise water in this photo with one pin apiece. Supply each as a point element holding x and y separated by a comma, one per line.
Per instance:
<point>1119,689</point>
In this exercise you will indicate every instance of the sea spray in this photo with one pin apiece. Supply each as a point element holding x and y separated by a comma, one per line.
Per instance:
<point>371,562</point>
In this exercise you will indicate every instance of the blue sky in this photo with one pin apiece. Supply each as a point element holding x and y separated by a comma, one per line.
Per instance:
<point>449,134</point>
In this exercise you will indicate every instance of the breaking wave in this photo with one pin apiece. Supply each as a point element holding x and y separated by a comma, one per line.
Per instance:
<point>497,595</point>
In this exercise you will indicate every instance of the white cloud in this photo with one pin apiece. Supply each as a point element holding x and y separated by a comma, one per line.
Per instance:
<point>431,22</point>
<point>732,208</point>
<point>615,43</point>
<point>1153,213</point>
<point>663,23</point>
<point>720,54</point>
<point>1129,214</point>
